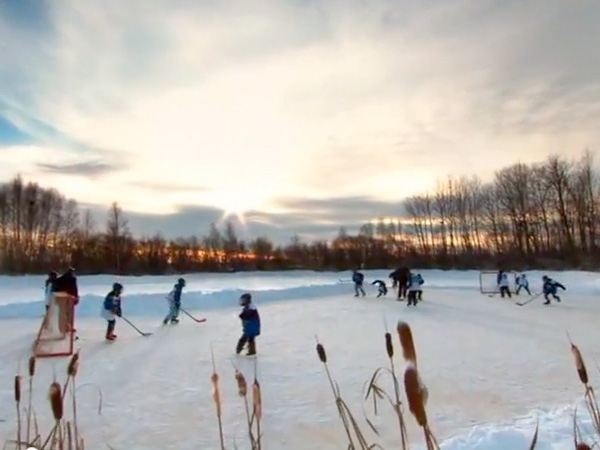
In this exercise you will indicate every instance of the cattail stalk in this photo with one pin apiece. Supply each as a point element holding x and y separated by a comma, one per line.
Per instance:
<point>257,410</point>
<point>389,347</point>
<point>72,370</point>
<point>31,367</point>
<point>243,392</point>
<point>406,341</point>
<point>17,391</point>
<point>338,401</point>
<point>214,378</point>
<point>416,394</point>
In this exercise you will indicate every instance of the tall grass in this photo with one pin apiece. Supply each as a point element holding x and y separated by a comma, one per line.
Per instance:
<point>404,392</point>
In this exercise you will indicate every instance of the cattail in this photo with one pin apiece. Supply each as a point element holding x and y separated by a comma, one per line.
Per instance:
<point>415,395</point>
<point>257,399</point>
<point>407,343</point>
<point>583,446</point>
<point>388,345</point>
<point>241,383</point>
<point>56,401</point>
<point>18,388</point>
<point>32,366</point>
<point>216,392</point>
<point>581,369</point>
<point>73,365</point>
<point>321,353</point>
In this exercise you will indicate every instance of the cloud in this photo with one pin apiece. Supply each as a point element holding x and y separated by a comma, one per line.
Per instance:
<point>243,104</point>
<point>307,218</point>
<point>89,168</point>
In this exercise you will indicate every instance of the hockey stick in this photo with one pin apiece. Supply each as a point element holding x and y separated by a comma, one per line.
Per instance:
<point>529,300</point>
<point>134,327</point>
<point>192,317</point>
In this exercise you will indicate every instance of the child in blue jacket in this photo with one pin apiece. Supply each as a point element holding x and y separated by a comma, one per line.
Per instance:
<point>250,325</point>
<point>550,287</point>
<point>112,309</point>
<point>358,279</point>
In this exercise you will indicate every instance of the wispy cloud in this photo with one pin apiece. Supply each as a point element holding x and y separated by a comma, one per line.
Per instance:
<point>263,100</point>
<point>88,168</point>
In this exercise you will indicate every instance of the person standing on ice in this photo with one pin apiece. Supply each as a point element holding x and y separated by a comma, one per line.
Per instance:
<point>174,299</point>
<point>550,287</point>
<point>358,278</point>
<point>522,283</point>
<point>381,287</point>
<point>414,286</point>
<point>112,309</point>
<point>67,284</point>
<point>403,273</point>
<point>503,284</point>
<point>49,289</point>
<point>420,291</point>
<point>250,325</point>
<point>394,277</point>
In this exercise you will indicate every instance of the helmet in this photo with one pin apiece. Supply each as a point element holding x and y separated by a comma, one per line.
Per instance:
<point>117,287</point>
<point>245,299</point>
<point>181,282</point>
<point>53,275</point>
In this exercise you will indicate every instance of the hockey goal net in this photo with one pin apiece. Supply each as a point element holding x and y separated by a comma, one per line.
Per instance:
<point>55,336</point>
<point>488,281</point>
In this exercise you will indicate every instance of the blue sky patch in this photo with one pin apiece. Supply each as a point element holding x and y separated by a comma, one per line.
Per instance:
<point>10,134</point>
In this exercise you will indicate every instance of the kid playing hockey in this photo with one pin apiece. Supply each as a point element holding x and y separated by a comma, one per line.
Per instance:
<point>420,291</point>
<point>250,325</point>
<point>381,287</point>
<point>358,278</point>
<point>112,310</point>
<point>503,284</point>
<point>550,287</point>
<point>522,283</point>
<point>415,281</point>
<point>174,299</point>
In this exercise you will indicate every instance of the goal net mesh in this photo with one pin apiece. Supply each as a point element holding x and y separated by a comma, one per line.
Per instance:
<point>55,336</point>
<point>488,283</point>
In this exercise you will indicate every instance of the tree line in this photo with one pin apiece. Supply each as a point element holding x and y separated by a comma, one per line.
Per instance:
<point>542,215</point>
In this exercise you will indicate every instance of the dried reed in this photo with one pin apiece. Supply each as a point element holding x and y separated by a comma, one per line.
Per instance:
<point>350,424</point>
<point>214,378</point>
<point>17,391</point>
<point>242,386</point>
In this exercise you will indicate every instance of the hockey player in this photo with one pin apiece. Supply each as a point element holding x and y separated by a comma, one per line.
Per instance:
<point>112,309</point>
<point>358,278</point>
<point>420,291</point>
<point>174,299</point>
<point>381,287</point>
<point>403,278</point>
<point>414,286</point>
<point>250,325</point>
<point>66,284</point>
<point>394,277</point>
<point>550,287</point>
<point>522,283</point>
<point>503,284</point>
<point>49,289</point>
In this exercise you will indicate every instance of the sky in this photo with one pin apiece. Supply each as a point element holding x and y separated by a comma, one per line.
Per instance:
<point>299,115</point>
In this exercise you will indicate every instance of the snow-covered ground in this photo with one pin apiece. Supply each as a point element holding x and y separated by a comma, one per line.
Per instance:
<point>492,368</point>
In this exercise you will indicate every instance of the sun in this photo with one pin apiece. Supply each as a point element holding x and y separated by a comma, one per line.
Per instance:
<point>237,203</point>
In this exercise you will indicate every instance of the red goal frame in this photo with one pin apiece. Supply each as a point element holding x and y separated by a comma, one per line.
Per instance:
<point>69,336</point>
